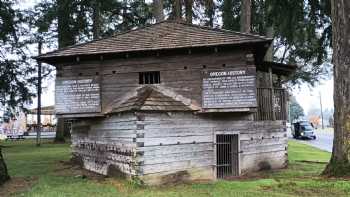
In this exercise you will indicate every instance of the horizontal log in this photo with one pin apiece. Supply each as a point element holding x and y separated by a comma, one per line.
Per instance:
<point>174,176</point>
<point>174,140</point>
<point>178,165</point>
<point>265,141</point>
<point>177,148</point>
<point>266,148</point>
<point>175,157</point>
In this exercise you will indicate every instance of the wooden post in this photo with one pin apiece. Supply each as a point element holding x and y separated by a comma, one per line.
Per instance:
<point>286,96</point>
<point>272,95</point>
<point>38,131</point>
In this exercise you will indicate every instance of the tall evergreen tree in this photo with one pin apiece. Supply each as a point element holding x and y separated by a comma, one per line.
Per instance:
<point>301,29</point>
<point>339,164</point>
<point>301,32</point>
<point>15,72</point>
<point>66,37</point>
<point>230,14</point>
<point>66,31</point>
<point>16,77</point>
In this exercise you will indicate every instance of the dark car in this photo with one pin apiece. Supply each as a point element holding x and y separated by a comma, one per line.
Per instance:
<point>303,129</point>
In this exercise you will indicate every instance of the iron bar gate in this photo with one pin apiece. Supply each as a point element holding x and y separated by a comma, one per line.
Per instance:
<point>227,161</point>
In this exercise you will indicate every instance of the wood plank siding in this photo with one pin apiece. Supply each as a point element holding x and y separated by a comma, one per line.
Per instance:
<point>106,144</point>
<point>160,146</point>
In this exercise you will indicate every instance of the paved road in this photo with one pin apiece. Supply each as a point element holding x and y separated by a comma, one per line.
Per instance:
<point>324,140</point>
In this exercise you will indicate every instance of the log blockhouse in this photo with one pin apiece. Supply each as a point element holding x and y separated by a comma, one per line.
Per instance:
<point>173,102</point>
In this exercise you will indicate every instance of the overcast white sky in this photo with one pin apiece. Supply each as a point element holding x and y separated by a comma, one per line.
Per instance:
<point>306,96</point>
<point>309,97</point>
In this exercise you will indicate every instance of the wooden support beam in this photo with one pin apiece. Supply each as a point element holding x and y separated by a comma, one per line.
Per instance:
<point>272,95</point>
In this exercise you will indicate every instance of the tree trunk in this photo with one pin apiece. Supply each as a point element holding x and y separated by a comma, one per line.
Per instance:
<point>262,76</point>
<point>339,164</point>
<point>96,19</point>
<point>4,176</point>
<point>177,9</point>
<point>246,15</point>
<point>210,12</point>
<point>65,34</point>
<point>227,15</point>
<point>158,10</point>
<point>66,37</point>
<point>189,11</point>
<point>125,15</point>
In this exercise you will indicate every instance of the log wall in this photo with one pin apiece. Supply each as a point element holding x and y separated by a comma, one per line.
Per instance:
<point>179,73</point>
<point>181,146</point>
<point>106,146</point>
<point>170,147</point>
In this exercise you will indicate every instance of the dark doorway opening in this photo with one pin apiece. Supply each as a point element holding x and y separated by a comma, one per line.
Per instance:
<point>227,161</point>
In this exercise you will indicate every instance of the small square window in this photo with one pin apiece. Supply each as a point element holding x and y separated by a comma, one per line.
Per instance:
<point>149,77</point>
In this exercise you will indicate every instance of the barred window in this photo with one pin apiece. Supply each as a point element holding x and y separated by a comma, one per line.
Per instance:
<point>149,77</point>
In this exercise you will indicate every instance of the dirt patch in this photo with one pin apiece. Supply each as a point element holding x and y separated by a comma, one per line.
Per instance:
<point>17,185</point>
<point>119,184</point>
<point>331,178</point>
<point>175,178</point>
<point>316,162</point>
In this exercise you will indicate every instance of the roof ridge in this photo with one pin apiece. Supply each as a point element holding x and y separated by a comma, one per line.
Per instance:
<point>142,95</point>
<point>218,29</point>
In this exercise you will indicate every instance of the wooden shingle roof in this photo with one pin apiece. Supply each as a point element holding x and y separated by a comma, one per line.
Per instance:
<point>163,35</point>
<point>151,98</point>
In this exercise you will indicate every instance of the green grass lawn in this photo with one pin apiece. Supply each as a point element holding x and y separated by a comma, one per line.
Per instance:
<point>41,172</point>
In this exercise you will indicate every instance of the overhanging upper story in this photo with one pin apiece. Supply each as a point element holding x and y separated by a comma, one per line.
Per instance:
<point>168,66</point>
